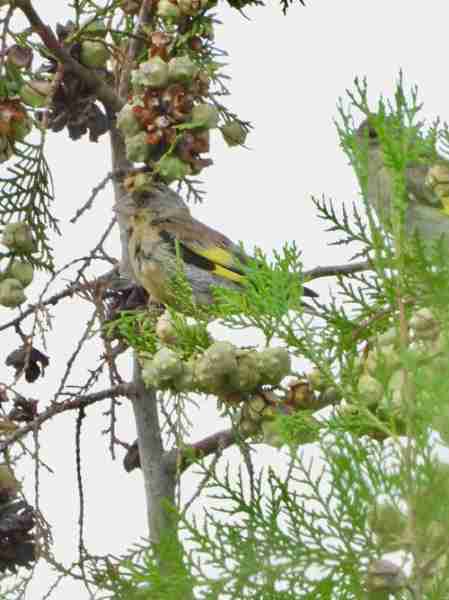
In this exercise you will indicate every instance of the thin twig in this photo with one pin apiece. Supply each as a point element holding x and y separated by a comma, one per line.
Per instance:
<point>70,291</point>
<point>336,270</point>
<point>122,389</point>
<point>88,205</point>
<point>96,84</point>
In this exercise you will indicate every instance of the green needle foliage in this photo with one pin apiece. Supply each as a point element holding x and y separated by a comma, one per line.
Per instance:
<point>27,192</point>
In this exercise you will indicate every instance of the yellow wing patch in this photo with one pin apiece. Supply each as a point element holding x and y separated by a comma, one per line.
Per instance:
<point>221,258</point>
<point>226,274</point>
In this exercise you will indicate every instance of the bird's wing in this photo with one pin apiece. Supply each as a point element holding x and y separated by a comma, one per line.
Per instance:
<point>204,247</point>
<point>209,249</point>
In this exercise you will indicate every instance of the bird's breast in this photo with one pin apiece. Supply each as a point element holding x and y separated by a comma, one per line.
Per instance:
<point>152,265</point>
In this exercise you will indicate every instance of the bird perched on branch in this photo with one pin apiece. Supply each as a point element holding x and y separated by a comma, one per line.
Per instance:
<point>161,230</point>
<point>426,182</point>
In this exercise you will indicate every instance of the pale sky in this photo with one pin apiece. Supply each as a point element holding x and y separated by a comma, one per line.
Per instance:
<point>287,75</point>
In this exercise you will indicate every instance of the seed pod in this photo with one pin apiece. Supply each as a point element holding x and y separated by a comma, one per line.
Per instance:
<point>273,364</point>
<point>387,356</point>
<point>205,115</point>
<point>11,293</point>
<point>18,237</point>
<point>247,375</point>
<point>168,10</point>
<point>387,338</point>
<point>172,168</point>
<point>94,54</point>
<point>234,134</point>
<point>425,324</point>
<point>151,73</point>
<point>137,147</point>
<point>127,121</point>
<point>95,28</point>
<point>22,271</point>
<point>186,382</point>
<point>216,369</point>
<point>181,69</point>
<point>163,370</point>
<point>35,93</point>
<point>192,7</point>
<point>370,390</point>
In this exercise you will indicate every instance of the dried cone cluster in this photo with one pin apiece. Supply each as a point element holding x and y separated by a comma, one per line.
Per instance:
<point>15,125</point>
<point>167,92</point>
<point>17,519</point>
<point>73,105</point>
<point>384,379</point>
<point>167,120</point>
<point>19,240</point>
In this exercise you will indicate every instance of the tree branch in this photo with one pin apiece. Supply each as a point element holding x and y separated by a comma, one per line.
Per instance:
<point>53,300</point>
<point>122,389</point>
<point>182,459</point>
<point>100,88</point>
<point>335,270</point>
<point>133,49</point>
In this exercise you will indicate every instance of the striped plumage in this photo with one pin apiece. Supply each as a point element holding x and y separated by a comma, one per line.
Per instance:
<point>160,225</point>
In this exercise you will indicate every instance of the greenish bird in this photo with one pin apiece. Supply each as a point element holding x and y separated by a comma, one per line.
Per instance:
<point>161,230</point>
<point>426,182</point>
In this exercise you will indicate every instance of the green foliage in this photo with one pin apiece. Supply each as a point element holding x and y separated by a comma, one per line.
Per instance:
<point>298,537</point>
<point>137,328</point>
<point>299,428</point>
<point>191,338</point>
<point>27,193</point>
<point>270,292</point>
<point>137,575</point>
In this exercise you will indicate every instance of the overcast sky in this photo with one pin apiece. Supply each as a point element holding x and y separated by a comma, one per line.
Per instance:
<point>287,75</point>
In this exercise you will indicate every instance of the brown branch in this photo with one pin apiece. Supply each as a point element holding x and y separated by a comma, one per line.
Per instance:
<point>53,300</point>
<point>122,389</point>
<point>190,453</point>
<point>88,205</point>
<point>335,270</point>
<point>102,90</point>
<point>134,48</point>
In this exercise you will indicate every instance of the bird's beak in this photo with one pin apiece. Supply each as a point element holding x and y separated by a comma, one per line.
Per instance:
<point>126,208</point>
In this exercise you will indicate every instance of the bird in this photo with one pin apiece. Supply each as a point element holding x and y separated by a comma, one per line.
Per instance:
<point>161,229</point>
<point>426,182</point>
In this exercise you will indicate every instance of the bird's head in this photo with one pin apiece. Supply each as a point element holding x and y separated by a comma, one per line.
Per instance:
<point>158,204</point>
<point>367,133</point>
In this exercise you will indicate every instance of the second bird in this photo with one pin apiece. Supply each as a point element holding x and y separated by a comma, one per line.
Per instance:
<point>427,188</point>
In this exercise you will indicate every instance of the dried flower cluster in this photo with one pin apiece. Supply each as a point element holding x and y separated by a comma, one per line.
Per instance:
<point>17,519</point>
<point>167,120</point>
<point>15,125</point>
